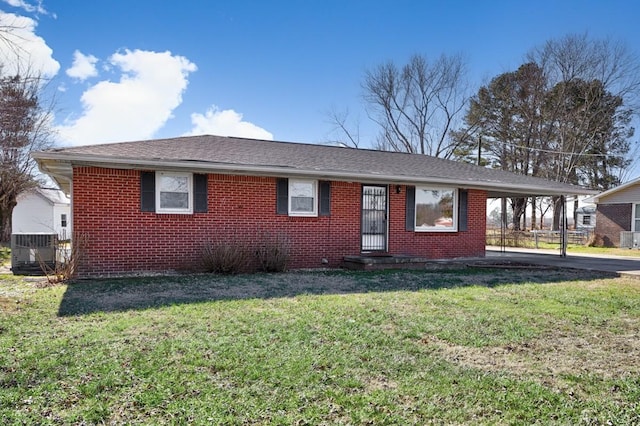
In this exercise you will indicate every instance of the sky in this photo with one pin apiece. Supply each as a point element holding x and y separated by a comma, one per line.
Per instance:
<point>125,70</point>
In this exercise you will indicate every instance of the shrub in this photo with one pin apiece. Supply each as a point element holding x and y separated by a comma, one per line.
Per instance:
<point>69,253</point>
<point>225,257</point>
<point>596,240</point>
<point>274,253</point>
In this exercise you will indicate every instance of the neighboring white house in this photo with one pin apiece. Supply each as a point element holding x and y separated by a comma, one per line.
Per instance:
<point>586,217</point>
<point>42,211</point>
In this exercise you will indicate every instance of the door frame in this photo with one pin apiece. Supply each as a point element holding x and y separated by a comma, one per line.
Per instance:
<point>372,245</point>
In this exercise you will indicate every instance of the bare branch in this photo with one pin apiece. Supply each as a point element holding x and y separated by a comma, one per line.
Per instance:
<point>415,106</point>
<point>339,120</point>
<point>25,126</point>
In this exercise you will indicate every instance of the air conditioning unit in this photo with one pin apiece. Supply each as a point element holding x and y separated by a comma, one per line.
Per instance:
<point>30,251</point>
<point>629,239</point>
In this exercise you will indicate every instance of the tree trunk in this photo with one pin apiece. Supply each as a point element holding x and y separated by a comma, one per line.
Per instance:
<point>533,213</point>
<point>6,210</point>
<point>518,206</point>
<point>557,213</point>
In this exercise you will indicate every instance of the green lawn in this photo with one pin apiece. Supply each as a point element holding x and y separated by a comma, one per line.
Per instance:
<point>470,346</point>
<point>580,248</point>
<point>5,255</point>
<point>614,251</point>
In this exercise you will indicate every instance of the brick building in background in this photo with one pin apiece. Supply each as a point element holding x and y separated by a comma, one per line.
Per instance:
<point>618,215</point>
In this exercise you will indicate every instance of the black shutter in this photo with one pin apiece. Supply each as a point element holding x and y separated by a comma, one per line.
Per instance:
<point>282,196</point>
<point>325,198</point>
<point>200,192</point>
<point>462,210</point>
<point>410,219</point>
<point>148,191</point>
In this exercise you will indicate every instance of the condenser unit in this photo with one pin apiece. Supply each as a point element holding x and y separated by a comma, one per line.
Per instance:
<point>629,239</point>
<point>30,251</point>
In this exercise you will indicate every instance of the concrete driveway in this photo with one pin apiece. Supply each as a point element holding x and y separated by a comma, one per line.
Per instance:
<point>622,265</point>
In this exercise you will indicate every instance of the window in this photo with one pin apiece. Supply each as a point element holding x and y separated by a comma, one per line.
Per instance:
<point>309,190</point>
<point>436,209</point>
<point>63,220</point>
<point>164,192</point>
<point>636,217</point>
<point>174,192</point>
<point>586,220</point>
<point>303,197</point>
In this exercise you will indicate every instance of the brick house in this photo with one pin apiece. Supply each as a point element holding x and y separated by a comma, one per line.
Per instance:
<point>151,205</point>
<point>618,210</point>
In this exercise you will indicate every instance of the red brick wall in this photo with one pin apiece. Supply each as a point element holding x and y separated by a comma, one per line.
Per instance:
<point>122,239</point>
<point>610,220</point>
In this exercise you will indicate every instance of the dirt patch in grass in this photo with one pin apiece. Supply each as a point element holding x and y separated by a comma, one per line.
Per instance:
<point>8,304</point>
<point>599,352</point>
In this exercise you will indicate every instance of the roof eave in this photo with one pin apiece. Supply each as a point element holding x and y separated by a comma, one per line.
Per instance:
<point>60,167</point>
<point>604,194</point>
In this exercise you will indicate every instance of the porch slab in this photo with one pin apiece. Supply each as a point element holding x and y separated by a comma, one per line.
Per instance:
<point>374,262</point>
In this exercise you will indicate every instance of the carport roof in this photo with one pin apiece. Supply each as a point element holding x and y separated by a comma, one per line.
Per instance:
<point>232,155</point>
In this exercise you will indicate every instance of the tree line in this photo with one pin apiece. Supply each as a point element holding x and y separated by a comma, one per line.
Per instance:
<point>565,114</point>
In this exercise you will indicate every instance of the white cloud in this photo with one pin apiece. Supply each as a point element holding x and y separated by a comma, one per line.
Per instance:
<point>28,6</point>
<point>225,123</point>
<point>21,50</point>
<point>150,87</point>
<point>84,66</point>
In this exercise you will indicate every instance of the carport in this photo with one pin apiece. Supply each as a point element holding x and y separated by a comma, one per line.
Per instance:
<point>551,191</point>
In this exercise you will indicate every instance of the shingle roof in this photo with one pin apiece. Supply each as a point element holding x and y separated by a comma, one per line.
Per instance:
<point>51,195</point>
<point>251,156</point>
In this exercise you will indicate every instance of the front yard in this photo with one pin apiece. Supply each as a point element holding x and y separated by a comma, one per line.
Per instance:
<point>469,346</point>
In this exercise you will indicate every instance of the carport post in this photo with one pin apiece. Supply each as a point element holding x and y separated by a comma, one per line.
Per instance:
<point>503,224</point>
<point>563,227</point>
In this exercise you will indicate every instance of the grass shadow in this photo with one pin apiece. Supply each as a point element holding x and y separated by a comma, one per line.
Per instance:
<point>122,294</point>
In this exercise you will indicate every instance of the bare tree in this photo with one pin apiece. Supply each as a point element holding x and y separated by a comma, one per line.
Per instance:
<point>25,124</point>
<point>576,56</point>
<point>416,105</point>
<point>349,133</point>
<point>24,128</point>
<point>13,54</point>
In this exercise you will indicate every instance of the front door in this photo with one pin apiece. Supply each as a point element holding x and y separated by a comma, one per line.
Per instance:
<point>374,218</point>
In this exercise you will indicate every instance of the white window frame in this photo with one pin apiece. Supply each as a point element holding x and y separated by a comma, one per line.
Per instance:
<point>634,219</point>
<point>453,228</point>
<point>314,186</point>
<point>189,208</point>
